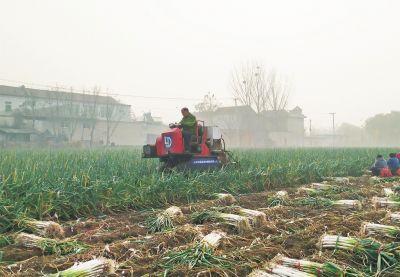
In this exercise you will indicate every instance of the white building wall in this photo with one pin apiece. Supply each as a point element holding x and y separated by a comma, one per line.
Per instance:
<point>118,112</point>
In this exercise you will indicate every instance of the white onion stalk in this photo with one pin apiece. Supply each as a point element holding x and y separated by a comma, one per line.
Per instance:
<point>30,240</point>
<point>240,222</point>
<point>368,251</point>
<point>92,268</point>
<point>225,198</point>
<point>213,239</point>
<point>42,228</point>
<point>388,192</point>
<point>257,218</point>
<point>368,228</point>
<point>348,204</point>
<point>317,269</point>
<point>374,180</point>
<point>394,217</point>
<point>49,246</point>
<point>340,242</point>
<point>261,273</point>
<point>321,186</point>
<point>302,265</point>
<point>338,180</point>
<point>174,212</point>
<point>384,202</point>
<point>307,190</point>
<point>283,194</point>
<point>285,271</point>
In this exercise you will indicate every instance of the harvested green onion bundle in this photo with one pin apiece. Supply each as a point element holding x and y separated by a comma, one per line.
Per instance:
<point>49,246</point>
<point>280,198</point>
<point>165,220</point>
<point>379,256</point>
<point>201,254</point>
<point>317,269</point>
<point>386,230</point>
<point>381,180</point>
<point>174,212</point>
<point>321,186</point>
<point>374,180</point>
<point>388,192</point>
<point>348,204</point>
<point>257,218</point>
<point>282,194</point>
<point>315,202</point>
<point>280,270</point>
<point>383,202</point>
<point>42,228</point>
<point>396,189</point>
<point>319,202</point>
<point>394,217</point>
<point>338,180</point>
<point>213,239</point>
<point>225,198</point>
<point>92,268</point>
<point>261,273</point>
<point>309,191</point>
<point>241,223</point>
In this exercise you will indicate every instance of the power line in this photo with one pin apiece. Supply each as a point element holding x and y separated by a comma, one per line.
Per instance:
<point>106,93</point>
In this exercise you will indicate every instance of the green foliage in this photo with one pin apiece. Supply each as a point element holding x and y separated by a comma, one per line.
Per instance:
<point>5,240</point>
<point>201,217</point>
<point>274,201</point>
<point>198,255</point>
<point>76,183</point>
<point>50,246</point>
<point>160,223</point>
<point>314,202</point>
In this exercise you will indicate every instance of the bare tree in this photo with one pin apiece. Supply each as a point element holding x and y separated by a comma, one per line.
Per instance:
<point>92,113</point>
<point>71,113</point>
<point>53,111</point>
<point>278,90</point>
<point>262,90</point>
<point>242,82</point>
<point>208,104</point>
<point>29,107</point>
<point>113,117</point>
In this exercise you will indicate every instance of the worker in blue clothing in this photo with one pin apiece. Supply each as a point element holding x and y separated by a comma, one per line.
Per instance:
<point>379,164</point>
<point>393,163</point>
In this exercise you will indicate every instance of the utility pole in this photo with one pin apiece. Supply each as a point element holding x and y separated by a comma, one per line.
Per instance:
<point>333,128</point>
<point>310,127</point>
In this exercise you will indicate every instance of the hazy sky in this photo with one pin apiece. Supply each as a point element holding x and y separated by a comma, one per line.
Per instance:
<point>343,56</point>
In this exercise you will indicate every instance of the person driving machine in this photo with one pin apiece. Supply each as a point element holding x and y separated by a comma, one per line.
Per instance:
<point>188,125</point>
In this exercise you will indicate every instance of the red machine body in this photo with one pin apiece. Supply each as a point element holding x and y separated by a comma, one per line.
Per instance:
<point>171,142</point>
<point>206,151</point>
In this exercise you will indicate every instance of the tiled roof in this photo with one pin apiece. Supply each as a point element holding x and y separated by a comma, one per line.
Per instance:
<point>53,95</point>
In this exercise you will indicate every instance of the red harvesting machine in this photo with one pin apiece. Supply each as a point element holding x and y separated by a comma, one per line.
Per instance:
<point>207,149</point>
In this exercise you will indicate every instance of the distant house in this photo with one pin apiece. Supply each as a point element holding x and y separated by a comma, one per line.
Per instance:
<point>13,135</point>
<point>243,127</point>
<point>238,124</point>
<point>70,117</point>
<point>285,127</point>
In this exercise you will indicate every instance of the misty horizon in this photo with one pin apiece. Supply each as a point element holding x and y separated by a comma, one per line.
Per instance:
<point>341,57</point>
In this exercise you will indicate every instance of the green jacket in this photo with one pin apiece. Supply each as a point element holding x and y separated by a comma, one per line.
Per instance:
<point>189,123</point>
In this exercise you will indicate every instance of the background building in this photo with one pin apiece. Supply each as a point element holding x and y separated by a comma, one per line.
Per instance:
<point>243,127</point>
<point>53,116</point>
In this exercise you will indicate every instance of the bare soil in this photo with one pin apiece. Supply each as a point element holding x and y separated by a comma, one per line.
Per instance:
<point>293,230</point>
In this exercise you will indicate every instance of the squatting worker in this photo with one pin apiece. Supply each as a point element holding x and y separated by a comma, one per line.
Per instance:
<point>188,124</point>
